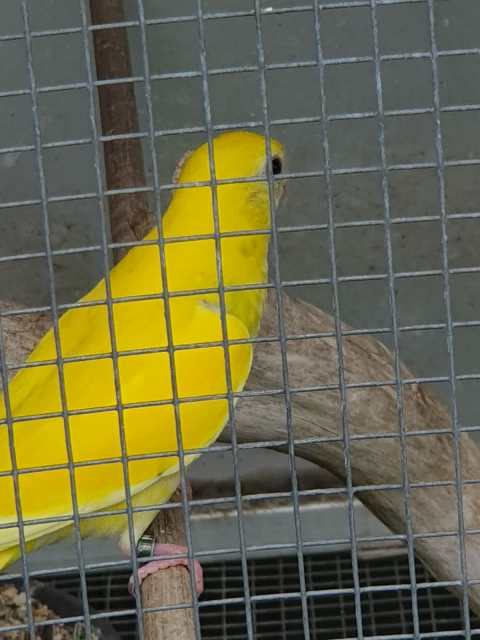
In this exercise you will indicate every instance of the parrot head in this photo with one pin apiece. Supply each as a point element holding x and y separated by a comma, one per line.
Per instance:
<point>242,156</point>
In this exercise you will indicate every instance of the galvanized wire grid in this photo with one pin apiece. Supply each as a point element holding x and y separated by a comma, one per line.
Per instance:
<point>320,63</point>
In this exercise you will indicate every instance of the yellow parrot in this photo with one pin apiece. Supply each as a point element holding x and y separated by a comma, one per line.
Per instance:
<point>42,436</point>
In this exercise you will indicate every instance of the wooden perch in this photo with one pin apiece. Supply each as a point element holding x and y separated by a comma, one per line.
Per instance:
<point>370,410</point>
<point>168,588</point>
<point>130,218</point>
<point>124,168</point>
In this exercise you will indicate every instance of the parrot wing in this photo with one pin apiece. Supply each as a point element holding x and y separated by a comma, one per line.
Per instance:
<point>99,472</point>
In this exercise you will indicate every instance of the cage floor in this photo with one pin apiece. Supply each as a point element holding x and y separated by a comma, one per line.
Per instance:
<point>384,611</point>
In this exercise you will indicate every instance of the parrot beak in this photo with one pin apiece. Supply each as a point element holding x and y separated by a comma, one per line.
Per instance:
<point>279,190</point>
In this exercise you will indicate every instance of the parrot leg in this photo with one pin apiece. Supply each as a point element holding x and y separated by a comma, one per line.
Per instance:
<point>158,565</point>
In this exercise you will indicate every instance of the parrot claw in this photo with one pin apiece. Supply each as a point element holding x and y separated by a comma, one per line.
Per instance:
<point>158,565</point>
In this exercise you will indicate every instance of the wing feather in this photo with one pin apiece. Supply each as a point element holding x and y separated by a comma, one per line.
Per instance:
<point>148,430</point>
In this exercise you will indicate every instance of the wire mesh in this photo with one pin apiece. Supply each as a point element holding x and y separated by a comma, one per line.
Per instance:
<point>332,616</point>
<point>331,115</point>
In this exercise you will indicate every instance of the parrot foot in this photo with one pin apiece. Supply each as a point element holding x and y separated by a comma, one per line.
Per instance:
<point>158,565</point>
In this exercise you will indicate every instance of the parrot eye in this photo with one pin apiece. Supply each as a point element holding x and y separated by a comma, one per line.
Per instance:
<point>276,165</point>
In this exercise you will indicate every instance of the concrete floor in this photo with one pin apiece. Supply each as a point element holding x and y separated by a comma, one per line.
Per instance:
<point>291,93</point>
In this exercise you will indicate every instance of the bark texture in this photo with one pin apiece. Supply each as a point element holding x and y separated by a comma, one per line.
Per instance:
<point>370,411</point>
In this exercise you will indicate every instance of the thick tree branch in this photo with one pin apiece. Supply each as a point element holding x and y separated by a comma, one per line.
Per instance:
<point>371,410</point>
